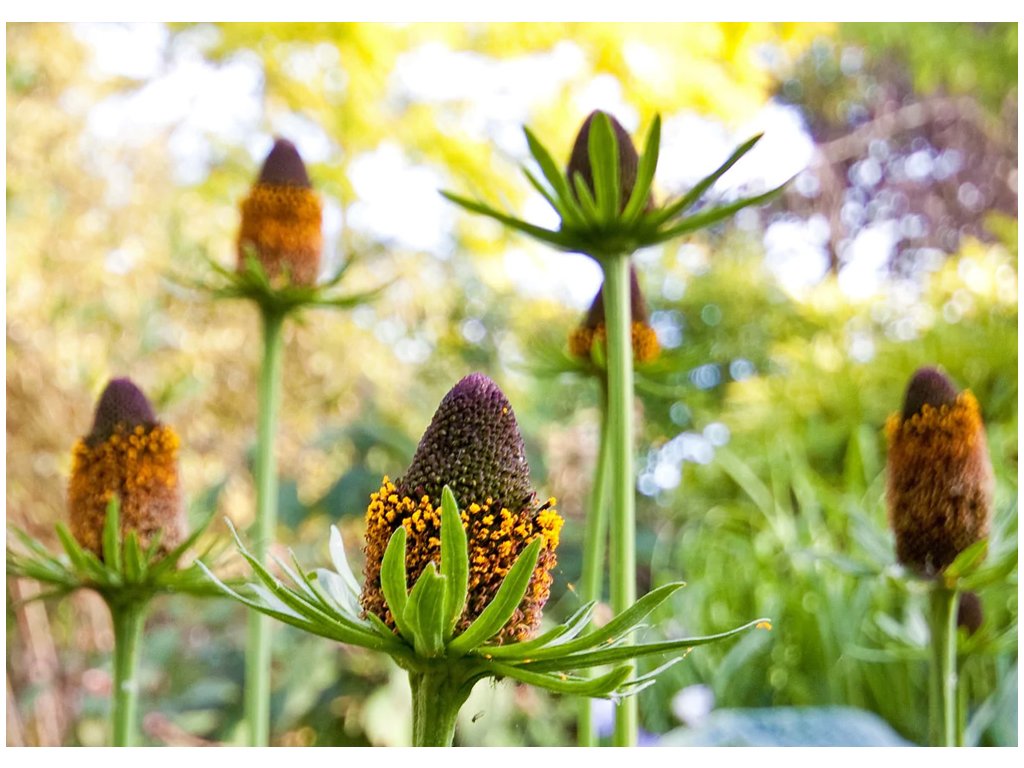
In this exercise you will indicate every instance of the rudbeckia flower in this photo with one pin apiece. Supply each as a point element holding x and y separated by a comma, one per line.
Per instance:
<point>473,446</point>
<point>281,220</point>
<point>130,455</point>
<point>939,477</point>
<point>453,589</point>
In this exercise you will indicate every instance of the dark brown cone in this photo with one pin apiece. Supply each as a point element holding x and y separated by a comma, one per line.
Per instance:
<point>579,160</point>
<point>473,445</point>
<point>122,403</point>
<point>970,614</point>
<point>284,166</point>
<point>928,386</point>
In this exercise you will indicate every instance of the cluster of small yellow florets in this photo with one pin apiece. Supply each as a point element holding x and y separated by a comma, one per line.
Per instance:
<point>140,466</point>
<point>496,538</point>
<point>281,220</point>
<point>645,341</point>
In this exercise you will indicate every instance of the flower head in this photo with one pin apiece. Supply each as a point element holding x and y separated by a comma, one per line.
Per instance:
<point>939,477</point>
<point>644,339</point>
<point>128,453</point>
<point>281,219</point>
<point>579,160</point>
<point>472,445</point>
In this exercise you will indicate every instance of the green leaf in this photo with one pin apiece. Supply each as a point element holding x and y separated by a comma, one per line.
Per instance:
<point>603,149</point>
<point>340,561</point>
<point>112,535</point>
<point>154,546</point>
<point>966,562</point>
<point>170,561</point>
<point>561,682</point>
<point>614,629</point>
<point>649,678</point>
<point>544,192</point>
<point>713,215</point>
<point>329,624</point>
<point>645,173</point>
<point>134,564</point>
<point>425,610</point>
<point>626,652</point>
<point>544,235</point>
<point>393,583</point>
<point>568,207</point>
<point>502,605</point>
<point>454,561</point>
<point>704,184</point>
<point>84,562</point>
<point>256,605</point>
<point>591,213</point>
<point>994,573</point>
<point>563,632</point>
<point>271,601</point>
<point>338,592</point>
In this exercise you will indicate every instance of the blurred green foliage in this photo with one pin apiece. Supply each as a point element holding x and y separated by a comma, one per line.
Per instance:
<point>762,454</point>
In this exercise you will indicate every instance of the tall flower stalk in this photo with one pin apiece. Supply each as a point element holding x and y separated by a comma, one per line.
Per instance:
<point>587,341</point>
<point>281,229</point>
<point>278,261</point>
<point>939,495</point>
<point>127,533</point>
<point>258,649</point>
<point>453,590</point>
<point>607,211</point>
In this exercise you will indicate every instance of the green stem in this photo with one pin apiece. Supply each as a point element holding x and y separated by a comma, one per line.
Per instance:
<point>594,553</point>
<point>257,655</point>
<point>436,701</point>
<point>128,618</point>
<point>946,731</point>
<point>618,323</point>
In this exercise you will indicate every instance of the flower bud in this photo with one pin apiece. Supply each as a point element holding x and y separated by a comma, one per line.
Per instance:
<point>644,340</point>
<point>939,477</point>
<point>281,219</point>
<point>579,160</point>
<point>969,613</point>
<point>473,445</point>
<point>128,454</point>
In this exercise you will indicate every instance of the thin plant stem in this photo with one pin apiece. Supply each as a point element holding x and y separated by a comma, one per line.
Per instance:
<point>946,731</point>
<point>594,547</point>
<point>436,701</point>
<point>620,409</point>
<point>257,654</point>
<point>128,619</point>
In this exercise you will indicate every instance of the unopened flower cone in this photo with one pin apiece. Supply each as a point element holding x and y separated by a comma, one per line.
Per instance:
<point>473,445</point>
<point>939,477</point>
<point>131,455</point>
<point>579,160</point>
<point>281,220</point>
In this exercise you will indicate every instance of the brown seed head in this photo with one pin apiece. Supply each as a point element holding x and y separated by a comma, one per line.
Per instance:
<point>473,445</point>
<point>131,455</point>
<point>281,219</point>
<point>939,476</point>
